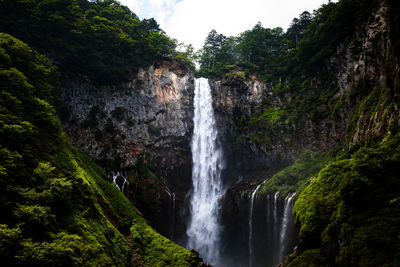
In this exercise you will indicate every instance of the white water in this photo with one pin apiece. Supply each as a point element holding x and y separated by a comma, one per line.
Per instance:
<point>171,212</point>
<point>251,225</point>
<point>285,221</point>
<point>204,229</point>
<point>124,176</point>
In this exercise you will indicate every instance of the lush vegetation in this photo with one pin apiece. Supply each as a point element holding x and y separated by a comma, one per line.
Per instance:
<point>296,177</point>
<point>277,56</point>
<point>56,207</point>
<point>294,64</point>
<point>101,40</point>
<point>353,208</point>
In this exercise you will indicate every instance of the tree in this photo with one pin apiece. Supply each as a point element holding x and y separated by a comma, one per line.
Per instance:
<point>297,28</point>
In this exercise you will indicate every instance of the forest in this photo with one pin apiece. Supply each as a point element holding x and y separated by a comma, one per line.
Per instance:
<point>58,206</point>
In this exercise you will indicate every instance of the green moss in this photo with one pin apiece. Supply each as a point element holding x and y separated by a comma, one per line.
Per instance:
<point>295,177</point>
<point>310,258</point>
<point>352,207</point>
<point>57,207</point>
<point>155,249</point>
<point>373,112</point>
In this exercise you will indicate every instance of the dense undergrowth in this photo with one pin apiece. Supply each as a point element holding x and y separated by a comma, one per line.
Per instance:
<point>296,177</point>
<point>56,207</point>
<point>352,210</point>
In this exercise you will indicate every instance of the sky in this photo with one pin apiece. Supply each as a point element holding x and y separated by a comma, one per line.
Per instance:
<point>190,21</point>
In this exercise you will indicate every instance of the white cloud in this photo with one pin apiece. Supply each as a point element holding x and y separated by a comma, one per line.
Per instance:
<point>134,5</point>
<point>191,20</point>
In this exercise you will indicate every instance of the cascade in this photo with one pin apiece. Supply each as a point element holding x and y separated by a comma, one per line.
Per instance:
<point>171,212</point>
<point>203,229</point>
<point>285,222</point>
<point>125,181</point>
<point>251,225</point>
<point>276,224</point>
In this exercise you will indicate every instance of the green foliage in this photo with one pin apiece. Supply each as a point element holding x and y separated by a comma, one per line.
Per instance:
<point>56,207</point>
<point>379,104</point>
<point>102,40</point>
<point>145,166</point>
<point>292,63</point>
<point>353,207</point>
<point>265,127</point>
<point>293,179</point>
<point>310,258</point>
<point>155,249</point>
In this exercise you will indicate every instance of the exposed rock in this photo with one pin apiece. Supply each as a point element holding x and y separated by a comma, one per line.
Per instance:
<point>361,58</point>
<point>237,101</point>
<point>365,59</point>
<point>150,114</point>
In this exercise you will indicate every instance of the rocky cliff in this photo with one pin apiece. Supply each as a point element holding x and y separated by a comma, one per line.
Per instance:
<point>256,122</point>
<point>152,113</point>
<point>145,122</point>
<point>360,96</point>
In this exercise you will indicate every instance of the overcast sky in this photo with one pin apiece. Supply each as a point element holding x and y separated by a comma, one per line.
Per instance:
<point>190,21</point>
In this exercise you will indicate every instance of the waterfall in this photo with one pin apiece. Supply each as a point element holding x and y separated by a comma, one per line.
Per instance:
<point>171,212</point>
<point>204,229</point>
<point>251,225</point>
<point>124,176</point>
<point>285,221</point>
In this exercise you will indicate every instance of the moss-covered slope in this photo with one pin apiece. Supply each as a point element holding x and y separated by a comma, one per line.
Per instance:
<point>294,179</point>
<point>56,207</point>
<point>351,211</point>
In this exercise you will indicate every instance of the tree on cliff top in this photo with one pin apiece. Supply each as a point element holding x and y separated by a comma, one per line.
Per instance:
<point>102,40</point>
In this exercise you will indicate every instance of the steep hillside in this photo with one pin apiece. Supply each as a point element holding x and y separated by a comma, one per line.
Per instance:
<point>125,95</point>
<point>57,208</point>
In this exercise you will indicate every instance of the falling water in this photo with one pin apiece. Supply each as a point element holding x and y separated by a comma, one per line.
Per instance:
<point>171,212</point>
<point>251,225</point>
<point>124,176</point>
<point>204,228</point>
<point>285,221</point>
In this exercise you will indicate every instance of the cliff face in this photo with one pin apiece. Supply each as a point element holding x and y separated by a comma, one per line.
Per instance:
<point>152,113</point>
<point>367,71</point>
<point>237,101</point>
<point>364,72</point>
<point>145,121</point>
<point>361,107</point>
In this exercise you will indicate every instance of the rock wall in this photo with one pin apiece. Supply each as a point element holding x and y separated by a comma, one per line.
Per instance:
<point>370,59</point>
<point>364,107</point>
<point>361,59</point>
<point>148,117</point>
<point>151,113</point>
<point>236,101</point>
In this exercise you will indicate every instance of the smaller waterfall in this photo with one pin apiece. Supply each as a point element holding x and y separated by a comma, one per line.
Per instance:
<point>124,176</point>
<point>171,212</point>
<point>276,224</point>
<point>251,225</point>
<point>285,220</point>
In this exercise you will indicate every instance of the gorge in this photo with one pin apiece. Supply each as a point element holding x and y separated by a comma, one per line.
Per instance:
<point>117,151</point>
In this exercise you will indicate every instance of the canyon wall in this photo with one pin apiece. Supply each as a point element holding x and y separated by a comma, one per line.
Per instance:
<point>361,105</point>
<point>145,122</point>
<point>358,75</point>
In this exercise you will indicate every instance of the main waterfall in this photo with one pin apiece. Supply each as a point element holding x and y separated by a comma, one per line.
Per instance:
<point>204,229</point>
